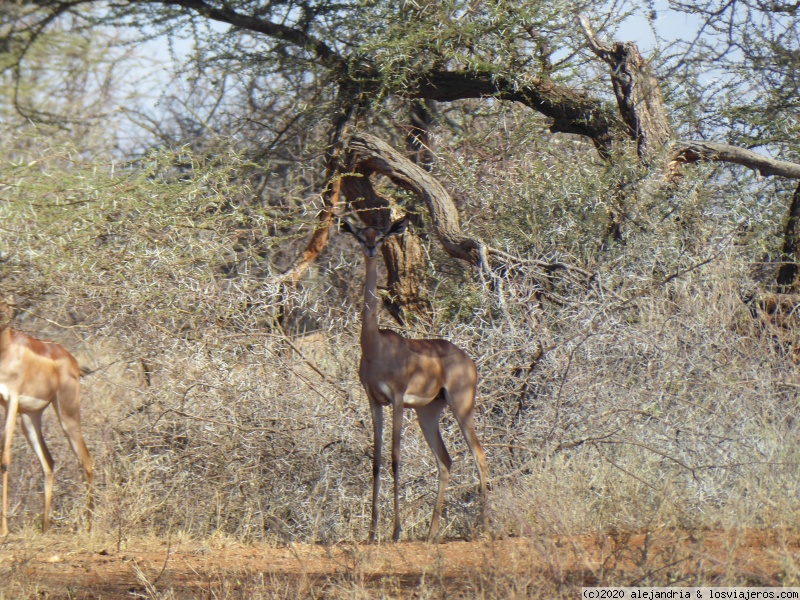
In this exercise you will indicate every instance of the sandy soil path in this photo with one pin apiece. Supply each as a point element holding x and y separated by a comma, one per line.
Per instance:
<point>60,566</point>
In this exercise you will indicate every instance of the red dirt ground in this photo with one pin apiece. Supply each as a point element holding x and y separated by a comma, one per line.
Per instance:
<point>58,566</point>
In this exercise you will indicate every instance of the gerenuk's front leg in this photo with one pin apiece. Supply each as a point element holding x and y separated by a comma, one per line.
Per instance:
<point>377,431</point>
<point>397,438</point>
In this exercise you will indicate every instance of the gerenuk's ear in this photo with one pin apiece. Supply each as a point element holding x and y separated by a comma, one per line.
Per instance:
<point>346,226</point>
<point>397,228</point>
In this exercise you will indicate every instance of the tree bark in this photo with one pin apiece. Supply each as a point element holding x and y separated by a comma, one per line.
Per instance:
<point>405,266</point>
<point>330,198</point>
<point>787,274</point>
<point>639,99</point>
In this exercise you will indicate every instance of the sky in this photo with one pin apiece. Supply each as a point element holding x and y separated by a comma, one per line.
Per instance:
<point>152,78</point>
<point>669,25</point>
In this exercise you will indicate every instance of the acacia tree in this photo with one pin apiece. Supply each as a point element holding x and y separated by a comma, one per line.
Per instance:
<point>348,62</point>
<point>749,53</point>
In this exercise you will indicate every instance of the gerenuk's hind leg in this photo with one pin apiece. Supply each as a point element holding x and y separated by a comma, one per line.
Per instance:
<point>397,442</point>
<point>462,402</point>
<point>428,417</point>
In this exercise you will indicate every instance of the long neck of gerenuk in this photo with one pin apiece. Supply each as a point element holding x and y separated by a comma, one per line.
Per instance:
<point>370,338</point>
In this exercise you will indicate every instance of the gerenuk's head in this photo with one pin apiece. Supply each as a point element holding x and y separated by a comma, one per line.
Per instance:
<point>371,238</point>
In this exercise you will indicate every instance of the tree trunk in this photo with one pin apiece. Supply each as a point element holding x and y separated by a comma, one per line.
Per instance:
<point>788,271</point>
<point>405,265</point>
<point>639,99</point>
<point>641,107</point>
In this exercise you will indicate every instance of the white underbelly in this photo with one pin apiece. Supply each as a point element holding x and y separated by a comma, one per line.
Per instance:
<point>409,400</point>
<point>26,403</point>
<point>31,404</point>
<point>412,401</point>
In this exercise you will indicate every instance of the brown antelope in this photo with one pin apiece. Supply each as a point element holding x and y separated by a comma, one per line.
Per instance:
<point>425,375</point>
<point>33,375</point>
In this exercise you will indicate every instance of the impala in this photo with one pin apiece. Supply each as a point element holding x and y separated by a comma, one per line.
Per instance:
<point>33,375</point>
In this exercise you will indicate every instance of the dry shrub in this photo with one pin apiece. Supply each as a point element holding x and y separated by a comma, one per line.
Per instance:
<point>659,414</point>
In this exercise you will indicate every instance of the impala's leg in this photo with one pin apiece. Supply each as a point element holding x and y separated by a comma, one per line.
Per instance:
<point>462,402</point>
<point>32,428</point>
<point>68,409</point>
<point>377,429</point>
<point>5,462</point>
<point>428,417</point>
<point>397,439</point>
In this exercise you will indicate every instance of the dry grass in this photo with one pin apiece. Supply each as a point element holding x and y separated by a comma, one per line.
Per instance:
<point>672,412</point>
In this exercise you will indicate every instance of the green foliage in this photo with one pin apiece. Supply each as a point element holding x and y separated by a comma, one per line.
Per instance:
<point>743,72</point>
<point>155,232</point>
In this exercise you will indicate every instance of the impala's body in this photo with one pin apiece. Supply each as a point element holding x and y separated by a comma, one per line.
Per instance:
<point>33,375</point>
<point>425,375</point>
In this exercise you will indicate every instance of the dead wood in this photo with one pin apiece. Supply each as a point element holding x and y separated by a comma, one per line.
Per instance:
<point>367,151</point>
<point>691,152</point>
<point>639,99</point>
